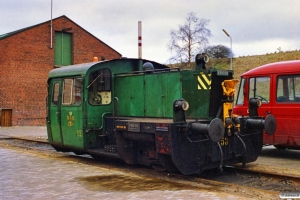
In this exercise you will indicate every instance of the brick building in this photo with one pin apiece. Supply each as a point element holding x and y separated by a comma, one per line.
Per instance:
<point>27,56</point>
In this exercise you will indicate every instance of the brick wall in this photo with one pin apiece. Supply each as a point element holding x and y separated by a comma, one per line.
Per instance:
<point>26,59</point>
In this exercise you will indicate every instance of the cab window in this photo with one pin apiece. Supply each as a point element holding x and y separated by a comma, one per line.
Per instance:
<point>259,87</point>
<point>72,89</point>
<point>288,89</point>
<point>55,94</point>
<point>240,97</point>
<point>100,87</point>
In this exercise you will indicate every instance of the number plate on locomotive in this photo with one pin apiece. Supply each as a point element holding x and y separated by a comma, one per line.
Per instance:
<point>134,126</point>
<point>222,73</point>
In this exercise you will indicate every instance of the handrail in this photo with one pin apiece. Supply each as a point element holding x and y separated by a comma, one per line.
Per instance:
<point>98,129</point>
<point>115,98</point>
<point>149,71</point>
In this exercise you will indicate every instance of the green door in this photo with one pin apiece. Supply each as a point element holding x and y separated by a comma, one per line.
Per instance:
<point>63,49</point>
<point>71,113</point>
<point>65,112</point>
<point>54,103</point>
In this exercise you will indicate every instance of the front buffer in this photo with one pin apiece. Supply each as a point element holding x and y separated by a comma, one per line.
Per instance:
<point>192,151</point>
<point>189,147</point>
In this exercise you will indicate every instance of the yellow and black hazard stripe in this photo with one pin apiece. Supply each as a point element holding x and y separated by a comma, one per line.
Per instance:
<point>204,82</point>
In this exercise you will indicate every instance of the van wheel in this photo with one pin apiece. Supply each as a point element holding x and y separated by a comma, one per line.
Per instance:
<point>279,147</point>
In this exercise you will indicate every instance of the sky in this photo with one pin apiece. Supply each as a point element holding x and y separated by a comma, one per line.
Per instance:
<point>256,27</point>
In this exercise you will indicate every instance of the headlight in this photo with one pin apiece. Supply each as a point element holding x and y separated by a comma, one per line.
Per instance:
<point>181,104</point>
<point>185,105</point>
<point>254,104</point>
<point>259,102</point>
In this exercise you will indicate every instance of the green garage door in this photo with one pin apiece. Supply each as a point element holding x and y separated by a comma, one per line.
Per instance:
<point>63,49</point>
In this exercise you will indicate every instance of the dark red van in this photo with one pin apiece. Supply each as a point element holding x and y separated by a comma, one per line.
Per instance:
<point>278,87</point>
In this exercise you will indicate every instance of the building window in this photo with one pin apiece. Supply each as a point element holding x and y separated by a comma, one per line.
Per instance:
<point>63,49</point>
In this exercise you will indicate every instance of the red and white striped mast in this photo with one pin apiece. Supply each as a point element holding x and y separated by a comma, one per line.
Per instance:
<point>140,39</point>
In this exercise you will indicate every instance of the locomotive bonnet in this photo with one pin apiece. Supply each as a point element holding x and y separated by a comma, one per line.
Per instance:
<point>146,113</point>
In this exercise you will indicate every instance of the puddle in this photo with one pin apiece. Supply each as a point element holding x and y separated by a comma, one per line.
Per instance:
<point>123,183</point>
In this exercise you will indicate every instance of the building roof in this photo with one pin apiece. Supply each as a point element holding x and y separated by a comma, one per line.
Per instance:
<point>6,35</point>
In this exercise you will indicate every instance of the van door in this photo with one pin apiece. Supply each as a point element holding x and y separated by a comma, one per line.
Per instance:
<point>54,111</point>
<point>287,110</point>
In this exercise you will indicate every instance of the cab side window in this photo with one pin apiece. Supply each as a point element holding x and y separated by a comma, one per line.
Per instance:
<point>72,89</point>
<point>288,89</point>
<point>259,87</point>
<point>100,87</point>
<point>55,94</point>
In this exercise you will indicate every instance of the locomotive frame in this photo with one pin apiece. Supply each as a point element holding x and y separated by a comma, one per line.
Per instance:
<point>146,113</point>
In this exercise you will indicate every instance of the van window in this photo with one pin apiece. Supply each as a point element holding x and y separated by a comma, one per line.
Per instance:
<point>240,97</point>
<point>259,87</point>
<point>72,88</point>
<point>288,89</point>
<point>100,87</point>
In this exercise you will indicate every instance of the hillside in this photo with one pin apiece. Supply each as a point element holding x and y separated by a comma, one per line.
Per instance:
<point>245,63</point>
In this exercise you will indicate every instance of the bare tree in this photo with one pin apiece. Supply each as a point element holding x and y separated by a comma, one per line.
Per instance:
<point>189,40</point>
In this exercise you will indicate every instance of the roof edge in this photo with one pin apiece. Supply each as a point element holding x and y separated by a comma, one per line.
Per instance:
<point>9,34</point>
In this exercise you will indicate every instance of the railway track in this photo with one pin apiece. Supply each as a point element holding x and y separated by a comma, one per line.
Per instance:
<point>252,184</point>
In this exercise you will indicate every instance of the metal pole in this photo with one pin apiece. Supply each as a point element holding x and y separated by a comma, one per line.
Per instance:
<point>230,48</point>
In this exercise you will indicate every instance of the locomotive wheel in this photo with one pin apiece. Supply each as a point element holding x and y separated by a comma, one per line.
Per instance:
<point>78,152</point>
<point>167,163</point>
<point>97,157</point>
<point>158,167</point>
<point>127,149</point>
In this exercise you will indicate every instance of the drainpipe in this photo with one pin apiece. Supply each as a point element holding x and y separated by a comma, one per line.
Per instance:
<point>51,27</point>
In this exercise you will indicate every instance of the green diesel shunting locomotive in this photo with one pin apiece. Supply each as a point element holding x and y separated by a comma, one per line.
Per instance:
<point>146,113</point>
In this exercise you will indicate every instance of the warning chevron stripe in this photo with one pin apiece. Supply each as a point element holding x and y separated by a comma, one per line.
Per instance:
<point>204,82</point>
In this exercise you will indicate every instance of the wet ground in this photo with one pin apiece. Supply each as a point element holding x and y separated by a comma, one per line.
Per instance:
<point>277,161</point>
<point>28,176</point>
<point>25,175</point>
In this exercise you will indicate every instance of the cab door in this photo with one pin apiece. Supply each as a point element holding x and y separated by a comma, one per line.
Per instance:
<point>260,87</point>
<point>71,113</point>
<point>54,111</point>
<point>254,87</point>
